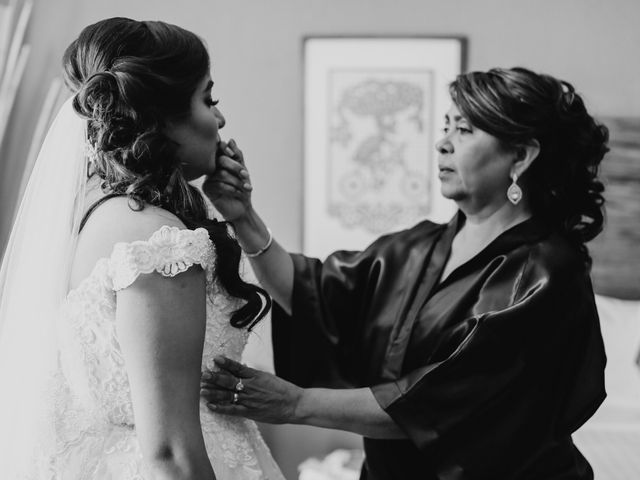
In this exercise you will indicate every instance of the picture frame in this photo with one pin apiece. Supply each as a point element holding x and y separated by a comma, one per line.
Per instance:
<point>373,108</point>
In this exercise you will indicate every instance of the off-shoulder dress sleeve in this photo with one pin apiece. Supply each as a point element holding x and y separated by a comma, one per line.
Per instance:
<point>169,251</point>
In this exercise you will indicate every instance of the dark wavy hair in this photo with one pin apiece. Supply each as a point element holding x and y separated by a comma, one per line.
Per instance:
<point>129,79</point>
<point>517,105</point>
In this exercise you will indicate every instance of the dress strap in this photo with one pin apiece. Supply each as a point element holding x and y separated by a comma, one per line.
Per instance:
<point>95,205</point>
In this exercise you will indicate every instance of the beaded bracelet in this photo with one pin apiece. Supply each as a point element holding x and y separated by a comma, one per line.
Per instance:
<point>263,249</point>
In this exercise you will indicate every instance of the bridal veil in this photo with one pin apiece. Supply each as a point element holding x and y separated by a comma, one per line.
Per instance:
<point>34,280</point>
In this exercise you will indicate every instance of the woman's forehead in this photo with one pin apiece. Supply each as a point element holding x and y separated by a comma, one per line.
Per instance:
<point>453,114</point>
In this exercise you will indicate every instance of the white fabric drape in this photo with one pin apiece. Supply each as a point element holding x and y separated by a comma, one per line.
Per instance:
<point>33,283</point>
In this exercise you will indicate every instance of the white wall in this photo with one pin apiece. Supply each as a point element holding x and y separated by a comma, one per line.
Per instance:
<point>256,50</point>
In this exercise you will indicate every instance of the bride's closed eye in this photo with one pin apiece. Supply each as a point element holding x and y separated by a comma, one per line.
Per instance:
<point>211,102</point>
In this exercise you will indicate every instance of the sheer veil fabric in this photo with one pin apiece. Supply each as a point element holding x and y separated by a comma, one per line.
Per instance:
<point>34,281</point>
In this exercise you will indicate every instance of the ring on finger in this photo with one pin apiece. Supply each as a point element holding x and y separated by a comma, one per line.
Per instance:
<point>239,386</point>
<point>235,398</point>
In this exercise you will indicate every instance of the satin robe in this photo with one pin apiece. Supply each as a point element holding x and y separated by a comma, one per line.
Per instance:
<point>487,372</point>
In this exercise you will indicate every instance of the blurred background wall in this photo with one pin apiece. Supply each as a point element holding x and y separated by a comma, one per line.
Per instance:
<point>256,50</point>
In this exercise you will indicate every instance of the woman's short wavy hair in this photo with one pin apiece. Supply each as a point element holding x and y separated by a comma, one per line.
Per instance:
<point>516,106</point>
<point>130,78</point>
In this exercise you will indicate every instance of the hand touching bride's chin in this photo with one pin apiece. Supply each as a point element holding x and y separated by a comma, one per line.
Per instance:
<point>229,186</point>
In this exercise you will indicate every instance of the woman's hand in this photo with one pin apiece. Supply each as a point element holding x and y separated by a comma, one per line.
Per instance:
<point>258,395</point>
<point>246,392</point>
<point>229,187</point>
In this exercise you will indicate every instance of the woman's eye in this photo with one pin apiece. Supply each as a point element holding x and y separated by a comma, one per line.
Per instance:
<point>462,130</point>
<point>211,102</point>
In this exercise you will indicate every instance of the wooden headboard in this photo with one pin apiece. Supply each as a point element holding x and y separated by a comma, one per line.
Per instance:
<point>616,251</point>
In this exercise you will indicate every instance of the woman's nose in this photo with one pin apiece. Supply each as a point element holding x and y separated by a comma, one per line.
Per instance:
<point>221,120</point>
<point>444,145</point>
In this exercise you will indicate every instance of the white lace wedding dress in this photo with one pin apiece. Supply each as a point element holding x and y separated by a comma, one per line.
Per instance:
<point>95,426</point>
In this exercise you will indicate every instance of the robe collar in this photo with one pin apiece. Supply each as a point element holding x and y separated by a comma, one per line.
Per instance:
<point>430,273</point>
<point>529,231</point>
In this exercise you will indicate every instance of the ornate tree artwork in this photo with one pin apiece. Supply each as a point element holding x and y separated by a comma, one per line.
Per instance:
<point>372,110</point>
<point>379,149</point>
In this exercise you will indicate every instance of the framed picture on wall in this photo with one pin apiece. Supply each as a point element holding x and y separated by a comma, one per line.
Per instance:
<point>372,111</point>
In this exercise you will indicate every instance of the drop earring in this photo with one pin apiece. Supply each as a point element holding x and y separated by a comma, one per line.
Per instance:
<point>514,192</point>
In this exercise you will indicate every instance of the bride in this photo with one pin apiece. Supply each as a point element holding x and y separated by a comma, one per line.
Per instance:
<point>116,290</point>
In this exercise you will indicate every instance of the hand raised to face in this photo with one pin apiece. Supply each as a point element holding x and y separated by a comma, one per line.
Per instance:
<point>246,392</point>
<point>229,187</point>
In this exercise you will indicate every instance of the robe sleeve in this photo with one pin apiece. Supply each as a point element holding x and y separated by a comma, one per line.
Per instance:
<point>313,345</point>
<point>336,305</point>
<point>503,384</point>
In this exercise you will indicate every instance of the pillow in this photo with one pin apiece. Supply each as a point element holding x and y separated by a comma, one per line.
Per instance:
<point>620,323</point>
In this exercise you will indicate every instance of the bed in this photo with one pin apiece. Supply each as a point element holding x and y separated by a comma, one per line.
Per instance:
<point>611,438</point>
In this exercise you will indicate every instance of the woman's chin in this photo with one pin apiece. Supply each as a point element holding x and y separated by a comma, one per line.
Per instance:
<point>448,193</point>
<point>210,171</point>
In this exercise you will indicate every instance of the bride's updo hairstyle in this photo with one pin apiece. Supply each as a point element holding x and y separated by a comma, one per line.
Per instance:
<point>129,79</point>
<point>561,185</point>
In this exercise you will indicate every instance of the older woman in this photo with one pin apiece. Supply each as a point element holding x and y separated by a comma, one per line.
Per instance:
<point>469,350</point>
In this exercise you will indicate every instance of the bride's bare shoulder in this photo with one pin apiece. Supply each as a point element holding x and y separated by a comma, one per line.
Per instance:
<point>122,220</point>
<point>116,220</point>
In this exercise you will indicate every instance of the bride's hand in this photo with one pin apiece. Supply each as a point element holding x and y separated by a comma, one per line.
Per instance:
<point>243,391</point>
<point>229,187</point>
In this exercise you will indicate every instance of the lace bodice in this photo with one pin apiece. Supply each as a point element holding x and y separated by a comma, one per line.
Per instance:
<point>96,403</point>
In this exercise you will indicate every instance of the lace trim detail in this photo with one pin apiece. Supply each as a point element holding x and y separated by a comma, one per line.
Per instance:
<point>95,435</point>
<point>169,251</point>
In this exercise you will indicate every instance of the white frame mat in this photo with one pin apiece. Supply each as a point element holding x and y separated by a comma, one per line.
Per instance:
<point>373,110</point>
